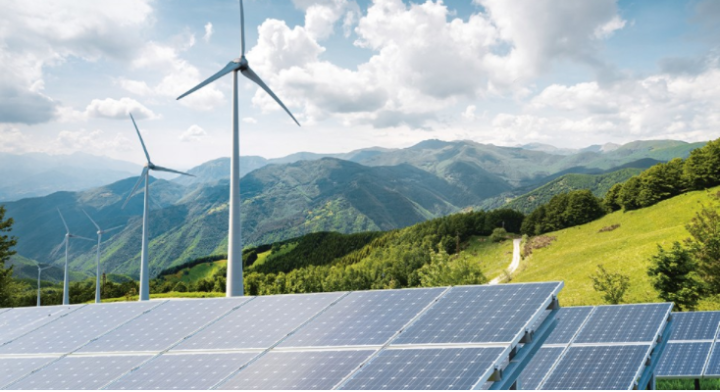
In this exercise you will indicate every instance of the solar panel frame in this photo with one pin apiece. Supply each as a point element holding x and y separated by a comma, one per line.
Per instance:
<point>712,365</point>
<point>570,322</point>
<point>540,365</point>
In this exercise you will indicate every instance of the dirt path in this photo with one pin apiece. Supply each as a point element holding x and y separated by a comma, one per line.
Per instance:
<point>514,264</point>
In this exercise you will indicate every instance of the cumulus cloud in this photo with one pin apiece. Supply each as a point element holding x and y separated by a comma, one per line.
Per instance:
<point>35,36</point>
<point>89,141</point>
<point>193,134</point>
<point>322,16</point>
<point>118,109</point>
<point>469,113</point>
<point>208,32</point>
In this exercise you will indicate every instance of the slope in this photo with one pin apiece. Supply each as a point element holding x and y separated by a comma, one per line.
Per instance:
<point>578,250</point>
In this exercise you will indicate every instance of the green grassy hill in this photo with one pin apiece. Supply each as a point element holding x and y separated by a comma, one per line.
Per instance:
<point>577,251</point>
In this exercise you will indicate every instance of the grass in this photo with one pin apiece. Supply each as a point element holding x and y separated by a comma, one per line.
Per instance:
<point>171,294</point>
<point>686,384</point>
<point>493,257</point>
<point>627,249</point>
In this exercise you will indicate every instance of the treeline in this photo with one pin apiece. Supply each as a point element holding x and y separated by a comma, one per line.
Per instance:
<point>563,211</point>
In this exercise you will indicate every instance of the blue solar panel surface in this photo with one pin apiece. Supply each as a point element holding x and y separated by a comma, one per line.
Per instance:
<point>298,370</point>
<point>80,372</point>
<point>539,366</point>
<point>683,359</point>
<point>20,321</point>
<point>264,321</point>
<point>363,318</point>
<point>183,371</point>
<point>479,314</point>
<point>713,365</point>
<point>448,368</point>
<point>624,323</point>
<point>694,325</point>
<point>76,328</point>
<point>598,367</point>
<point>15,368</point>
<point>569,322</point>
<point>164,325</point>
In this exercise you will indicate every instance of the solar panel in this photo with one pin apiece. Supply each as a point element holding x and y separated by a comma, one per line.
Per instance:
<point>713,364</point>
<point>694,325</point>
<point>624,323</point>
<point>683,359</point>
<point>264,321</point>
<point>598,367</point>
<point>164,325</point>
<point>480,314</point>
<point>20,321</point>
<point>298,370</point>
<point>569,322</point>
<point>183,371</point>
<point>76,329</point>
<point>441,368</point>
<point>363,318</point>
<point>80,372</point>
<point>15,368</point>
<point>539,366</point>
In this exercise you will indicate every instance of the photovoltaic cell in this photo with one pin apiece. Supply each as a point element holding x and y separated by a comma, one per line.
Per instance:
<point>263,321</point>
<point>363,318</point>
<point>20,321</point>
<point>694,325</point>
<point>713,365</point>
<point>569,321</point>
<point>624,323</point>
<point>479,314</point>
<point>683,359</point>
<point>183,371</point>
<point>12,369</point>
<point>164,325</point>
<point>447,368</point>
<point>539,366</point>
<point>76,329</point>
<point>80,372</point>
<point>598,367</point>
<point>298,370</point>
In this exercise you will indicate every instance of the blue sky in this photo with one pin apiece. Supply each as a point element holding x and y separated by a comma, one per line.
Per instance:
<point>356,74</point>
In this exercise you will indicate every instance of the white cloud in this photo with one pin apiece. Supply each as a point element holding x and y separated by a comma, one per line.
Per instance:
<point>249,120</point>
<point>38,35</point>
<point>90,141</point>
<point>469,113</point>
<point>321,16</point>
<point>118,109</point>
<point>136,87</point>
<point>13,140</point>
<point>193,134</point>
<point>208,32</point>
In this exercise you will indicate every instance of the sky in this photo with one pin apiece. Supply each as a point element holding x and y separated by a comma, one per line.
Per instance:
<point>355,73</point>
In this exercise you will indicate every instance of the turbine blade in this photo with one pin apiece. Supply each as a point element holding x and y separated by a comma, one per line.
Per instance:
<point>114,228</point>
<point>63,220</point>
<point>231,66</point>
<point>56,249</point>
<point>137,184</point>
<point>82,238</point>
<point>165,169</point>
<point>141,139</point>
<point>91,219</point>
<point>242,29</point>
<point>248,73</point>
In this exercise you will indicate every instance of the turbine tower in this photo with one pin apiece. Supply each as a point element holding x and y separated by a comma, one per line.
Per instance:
<point>234,265</point>
<point>100,232</point>
<point>66,242</point>
<point>145,175</point>
<point>40,270</point>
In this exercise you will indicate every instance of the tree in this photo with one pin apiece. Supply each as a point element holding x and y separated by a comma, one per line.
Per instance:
<point>180,287</point>
<point>498,235</point>
<point>582,207</point>
<point>673,274</point>
<point>705,244</point>
<point>8,286</point>
<point>612,198</point>
<point>612,285</point>
<point>701,167</point>
<point>629,193</point>
<point>446,270</point>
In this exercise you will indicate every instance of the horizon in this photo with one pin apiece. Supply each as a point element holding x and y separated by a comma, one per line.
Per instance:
<point>598,72</point>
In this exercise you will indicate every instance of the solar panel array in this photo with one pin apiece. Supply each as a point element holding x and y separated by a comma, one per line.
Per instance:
<point>692,350</point>
<point>603,347</point>
<point>430,338</point>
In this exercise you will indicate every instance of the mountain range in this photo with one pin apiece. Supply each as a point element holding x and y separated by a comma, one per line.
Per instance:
<point>370,189</point>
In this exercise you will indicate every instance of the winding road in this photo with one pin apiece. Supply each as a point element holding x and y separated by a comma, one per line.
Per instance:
<point>514,264</point>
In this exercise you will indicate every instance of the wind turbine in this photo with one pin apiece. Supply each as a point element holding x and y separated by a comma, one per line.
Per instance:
<point>144,272</point>
<point>40,270</point>
<point>234,266</point>
<point>100,232</point>
<point>66,242</point>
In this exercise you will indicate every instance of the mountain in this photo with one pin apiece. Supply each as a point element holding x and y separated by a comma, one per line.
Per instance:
<point>37,174</point>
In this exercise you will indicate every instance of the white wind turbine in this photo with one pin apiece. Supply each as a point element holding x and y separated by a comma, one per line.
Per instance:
<point>234,265</point>
<point>145,175</point>
<point>40,270</point>
<point>100,232</point>
<point>66,242</point>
